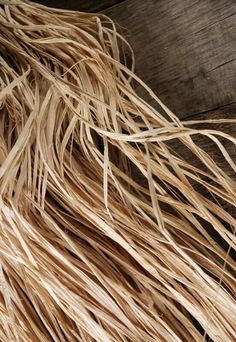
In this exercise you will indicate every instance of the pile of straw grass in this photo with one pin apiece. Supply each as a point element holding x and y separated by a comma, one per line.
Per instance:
<point>105,232</point>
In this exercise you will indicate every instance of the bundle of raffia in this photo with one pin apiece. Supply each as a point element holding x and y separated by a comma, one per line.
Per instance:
<point>107,232</point>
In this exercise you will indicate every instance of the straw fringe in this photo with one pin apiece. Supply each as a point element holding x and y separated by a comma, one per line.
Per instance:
<point>105,232</point>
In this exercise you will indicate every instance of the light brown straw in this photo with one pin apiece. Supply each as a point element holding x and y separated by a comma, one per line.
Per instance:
<point>108,232</point>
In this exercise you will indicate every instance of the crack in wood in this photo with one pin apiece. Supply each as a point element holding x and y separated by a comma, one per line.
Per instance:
<point>221,65</point>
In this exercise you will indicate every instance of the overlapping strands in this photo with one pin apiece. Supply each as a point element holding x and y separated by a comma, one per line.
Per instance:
<point>107,232</point>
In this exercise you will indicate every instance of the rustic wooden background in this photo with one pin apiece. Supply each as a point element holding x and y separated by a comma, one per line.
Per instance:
<point>185,49</point>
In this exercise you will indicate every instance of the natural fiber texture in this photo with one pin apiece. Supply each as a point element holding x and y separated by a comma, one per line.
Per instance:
<point>105,234</point>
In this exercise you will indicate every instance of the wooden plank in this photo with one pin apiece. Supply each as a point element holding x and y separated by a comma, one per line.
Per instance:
<point>185,50</point>
<point>80,5</point>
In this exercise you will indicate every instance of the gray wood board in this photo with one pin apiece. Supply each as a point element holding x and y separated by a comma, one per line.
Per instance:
<point>185,50</point>
<point>80,5</point>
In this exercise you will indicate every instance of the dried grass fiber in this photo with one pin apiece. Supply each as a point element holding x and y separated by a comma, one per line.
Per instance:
<point>107,232</point>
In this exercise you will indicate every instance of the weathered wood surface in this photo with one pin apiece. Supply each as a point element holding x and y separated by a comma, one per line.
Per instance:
<point>80,5</point>
<point>185,50</point>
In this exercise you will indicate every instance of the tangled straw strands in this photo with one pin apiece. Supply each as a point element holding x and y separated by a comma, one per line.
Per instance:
<point>105,232</point>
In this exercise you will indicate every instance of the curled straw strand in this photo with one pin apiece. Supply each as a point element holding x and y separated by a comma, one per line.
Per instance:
<point>107,232</point>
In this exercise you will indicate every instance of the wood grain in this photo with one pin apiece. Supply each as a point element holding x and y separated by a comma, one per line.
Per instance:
<point>80,5</point>
<point>185,50</point>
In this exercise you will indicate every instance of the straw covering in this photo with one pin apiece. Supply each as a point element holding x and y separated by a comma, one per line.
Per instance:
<point>107,231</point>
